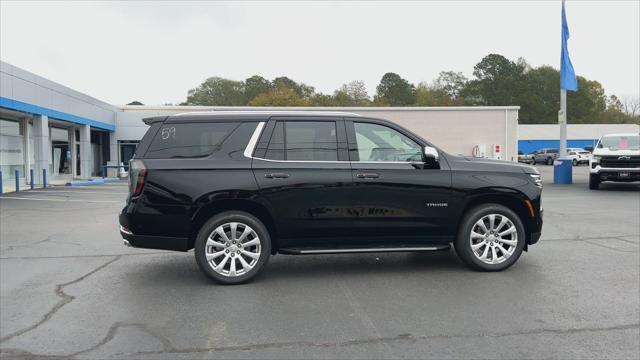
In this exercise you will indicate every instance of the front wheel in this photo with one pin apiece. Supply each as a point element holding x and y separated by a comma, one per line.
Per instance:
<point>491,238</point>
<point>549,161</point>
<point>533,161</point>
<point>575,162</point>
<point>232,247</point>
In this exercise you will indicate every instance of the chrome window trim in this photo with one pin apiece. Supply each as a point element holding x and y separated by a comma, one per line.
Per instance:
<point>253,141</point>
<point>304,161</point>
<point>338,161</point>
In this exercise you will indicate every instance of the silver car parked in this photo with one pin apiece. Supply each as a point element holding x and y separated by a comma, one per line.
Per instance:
<point>545,156</point>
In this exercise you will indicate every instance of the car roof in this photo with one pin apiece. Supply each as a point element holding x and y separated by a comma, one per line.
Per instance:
<point>253,115</point>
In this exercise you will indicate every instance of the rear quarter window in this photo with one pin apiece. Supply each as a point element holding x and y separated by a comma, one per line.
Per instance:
<point>189,140</point>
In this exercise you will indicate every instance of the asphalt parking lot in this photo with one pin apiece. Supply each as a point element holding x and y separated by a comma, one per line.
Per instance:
<point>70,289</point>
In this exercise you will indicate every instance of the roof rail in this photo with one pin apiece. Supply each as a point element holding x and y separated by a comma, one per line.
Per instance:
<point>266,112</point>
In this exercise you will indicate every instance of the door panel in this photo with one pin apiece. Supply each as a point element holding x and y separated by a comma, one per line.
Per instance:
<point>309,198</point>
<point>397,200</point>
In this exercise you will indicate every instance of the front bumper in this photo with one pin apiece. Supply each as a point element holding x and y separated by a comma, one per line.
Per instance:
<point>534,238</point>
<point>615,174</point>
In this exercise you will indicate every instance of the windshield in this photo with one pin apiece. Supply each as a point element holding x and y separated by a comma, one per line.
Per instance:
<point>624,142</point>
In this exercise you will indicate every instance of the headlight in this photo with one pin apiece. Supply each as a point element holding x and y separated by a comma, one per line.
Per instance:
<point>595,158</point>
<point>537,179</point>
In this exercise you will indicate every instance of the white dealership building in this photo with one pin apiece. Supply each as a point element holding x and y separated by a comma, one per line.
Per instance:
<point>54,131</point>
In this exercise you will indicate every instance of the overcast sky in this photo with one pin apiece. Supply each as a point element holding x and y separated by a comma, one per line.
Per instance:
<point>155,52</point>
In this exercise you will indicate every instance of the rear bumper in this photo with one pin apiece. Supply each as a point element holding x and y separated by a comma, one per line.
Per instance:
<point>151,242</point>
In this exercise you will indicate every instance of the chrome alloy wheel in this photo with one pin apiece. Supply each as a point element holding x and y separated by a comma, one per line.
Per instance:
<point>233,249</point>
<point>493,238</point>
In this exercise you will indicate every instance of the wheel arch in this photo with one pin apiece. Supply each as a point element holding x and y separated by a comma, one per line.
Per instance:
<point>209,210</point>
<point>513,200</point>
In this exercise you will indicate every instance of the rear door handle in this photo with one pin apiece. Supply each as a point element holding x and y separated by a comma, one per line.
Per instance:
<point>276,176</point>
<point>368,176</point>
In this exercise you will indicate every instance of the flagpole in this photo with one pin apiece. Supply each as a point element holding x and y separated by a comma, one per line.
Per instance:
<point>562,120</point>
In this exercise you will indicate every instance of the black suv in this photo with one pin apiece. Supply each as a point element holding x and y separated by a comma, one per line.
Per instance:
<point>241,186</point>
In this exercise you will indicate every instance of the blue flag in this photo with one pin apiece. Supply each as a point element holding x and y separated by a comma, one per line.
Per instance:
<point>568,79</point>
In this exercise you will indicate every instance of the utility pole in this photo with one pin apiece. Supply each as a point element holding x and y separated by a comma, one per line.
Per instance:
<point>562,121</point>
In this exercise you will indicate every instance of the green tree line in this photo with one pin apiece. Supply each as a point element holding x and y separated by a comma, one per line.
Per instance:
<point>497,81</point>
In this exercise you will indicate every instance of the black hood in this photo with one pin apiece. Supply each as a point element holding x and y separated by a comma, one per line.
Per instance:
<point>484,164</point>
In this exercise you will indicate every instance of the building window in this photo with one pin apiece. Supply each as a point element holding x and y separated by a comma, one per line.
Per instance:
<point>61,151</point>
<point>11,148</point>
<point>127,150</point>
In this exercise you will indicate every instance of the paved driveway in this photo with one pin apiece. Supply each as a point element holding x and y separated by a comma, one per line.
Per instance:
<point>70,289</point>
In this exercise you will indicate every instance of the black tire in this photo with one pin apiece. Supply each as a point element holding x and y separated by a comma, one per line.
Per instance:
<point>533,161</point>
<point>575,162</point>
<point>228,217</point>
<point>462,242</point>
<point>549,161</point>
<point>594,182</point>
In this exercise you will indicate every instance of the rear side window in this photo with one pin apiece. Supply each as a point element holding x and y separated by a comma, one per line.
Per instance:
<point>303,141</point>
<point>311,141</point>
<point>275,151</point>
<point>188,140</point>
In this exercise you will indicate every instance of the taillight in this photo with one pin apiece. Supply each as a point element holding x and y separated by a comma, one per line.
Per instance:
<point>137,176</point>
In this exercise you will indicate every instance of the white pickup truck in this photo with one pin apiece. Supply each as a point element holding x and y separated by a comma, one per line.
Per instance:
<point>616,157</point>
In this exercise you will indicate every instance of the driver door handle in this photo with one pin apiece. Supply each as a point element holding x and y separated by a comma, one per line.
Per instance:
<point>276,176</point>
<point>368,176</point>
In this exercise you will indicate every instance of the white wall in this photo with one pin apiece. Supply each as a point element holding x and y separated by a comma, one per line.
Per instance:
<point>574,131</point>
<point>454,129</point>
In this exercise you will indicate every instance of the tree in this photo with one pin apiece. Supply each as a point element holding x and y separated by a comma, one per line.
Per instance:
<point>631,106</point>
<point>256,85</point>
<point>280,96</point>
<point>498,81</point>
<point>430,95</point>
<point>451,82</point>
<point>353,93</point>
<point>217,91</point>
<point>323,100</point>
<point>393,90</point>
<point>135,102</point>
<point>587,104</point>
<point>301,89</point>
<point>539,98</point>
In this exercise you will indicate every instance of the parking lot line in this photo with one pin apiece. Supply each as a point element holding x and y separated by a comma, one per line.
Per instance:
<point>59,200</point>
<point>108,192</point>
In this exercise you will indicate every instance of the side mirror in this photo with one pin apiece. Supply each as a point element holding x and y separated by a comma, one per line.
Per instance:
<point>431,153</point>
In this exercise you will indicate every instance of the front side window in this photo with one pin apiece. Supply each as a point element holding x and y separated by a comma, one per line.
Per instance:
<point>303,141</point>
<point>381,143</point>
<point>188,140</point>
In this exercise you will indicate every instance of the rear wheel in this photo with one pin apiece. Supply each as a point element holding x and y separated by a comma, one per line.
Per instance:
<point>491,238</point>
<point>232,247</point>
<point>549,161</point>
<point>594,182</point>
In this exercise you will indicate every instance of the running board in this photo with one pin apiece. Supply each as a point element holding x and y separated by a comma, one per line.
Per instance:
<point>316,251</point>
